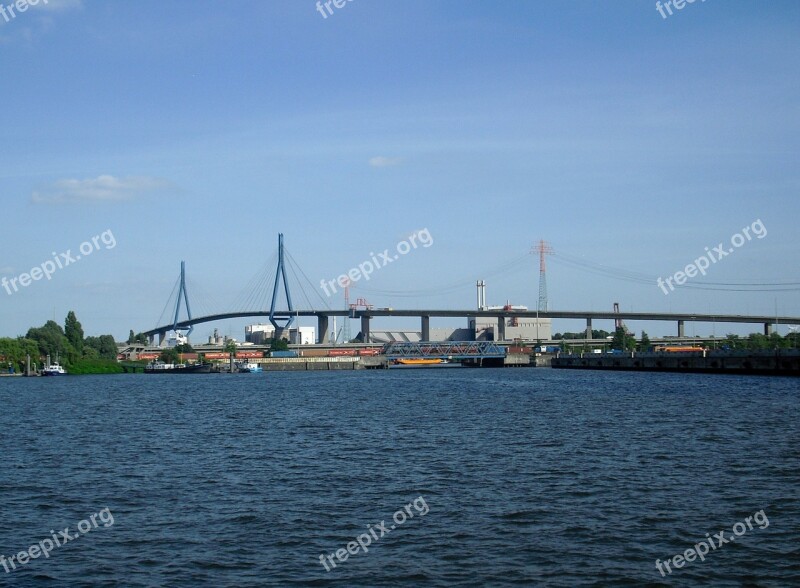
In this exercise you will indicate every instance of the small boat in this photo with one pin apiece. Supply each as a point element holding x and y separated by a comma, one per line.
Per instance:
<point>249,368</point>
<point>53,369</point>
<point>159,367</point>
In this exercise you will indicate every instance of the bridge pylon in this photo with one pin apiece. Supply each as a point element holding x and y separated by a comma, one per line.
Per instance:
<point>182,295</point>
<point>280,324</point>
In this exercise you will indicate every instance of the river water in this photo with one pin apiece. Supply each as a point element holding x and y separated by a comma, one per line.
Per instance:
<point>515,477</point>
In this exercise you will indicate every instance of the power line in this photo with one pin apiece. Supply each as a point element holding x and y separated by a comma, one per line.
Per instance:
<point>641,278</point>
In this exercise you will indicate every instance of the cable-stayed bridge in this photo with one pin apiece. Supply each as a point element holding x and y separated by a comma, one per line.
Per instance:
<point>268,295</point>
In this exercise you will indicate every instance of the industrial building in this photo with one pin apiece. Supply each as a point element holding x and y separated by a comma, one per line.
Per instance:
<point>527,329</point>
<point>478,329</point>
<point>261,333</point>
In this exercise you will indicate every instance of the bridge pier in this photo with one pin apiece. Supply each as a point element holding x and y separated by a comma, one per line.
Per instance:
<point>767,329</point>
<point>152,340</point>
<point>426,328</point>
<point>365,328</point>
<point>588,328</point>
<point>501,329</point>
<point>681,330</point>
<point>161,336</point>
<point>323,337</point>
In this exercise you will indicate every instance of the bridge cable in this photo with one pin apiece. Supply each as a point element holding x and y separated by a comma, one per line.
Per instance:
<point>204,303</point>
<point>293,265</point>
<point>168,305</point>
<point>248,297</point>
<point>516,263</point>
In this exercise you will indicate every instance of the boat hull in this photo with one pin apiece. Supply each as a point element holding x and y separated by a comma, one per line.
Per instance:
<point>249,368</point>
<point>421,361</point>
<point>203,368</point>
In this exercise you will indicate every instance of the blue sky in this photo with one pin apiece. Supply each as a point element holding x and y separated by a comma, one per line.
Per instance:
<point>199,130</point>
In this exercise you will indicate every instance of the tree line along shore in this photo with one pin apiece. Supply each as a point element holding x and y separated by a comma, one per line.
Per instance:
<point>79,354</point>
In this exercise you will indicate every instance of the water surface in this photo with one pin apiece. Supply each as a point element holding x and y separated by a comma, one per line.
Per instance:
<point>531,476</point>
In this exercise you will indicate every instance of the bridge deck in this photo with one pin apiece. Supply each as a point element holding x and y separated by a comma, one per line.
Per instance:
<point>550,314</point>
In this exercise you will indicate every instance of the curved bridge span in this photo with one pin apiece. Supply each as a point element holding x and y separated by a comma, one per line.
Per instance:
<point>425,315</point>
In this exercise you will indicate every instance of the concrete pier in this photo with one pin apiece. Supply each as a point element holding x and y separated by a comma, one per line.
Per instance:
<point>425,328</point>
<point>323,336</point>
<point>365,328</point>
<point>501,328</point>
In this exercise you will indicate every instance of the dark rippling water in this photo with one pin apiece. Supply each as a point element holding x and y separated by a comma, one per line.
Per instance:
<point>531,477</point>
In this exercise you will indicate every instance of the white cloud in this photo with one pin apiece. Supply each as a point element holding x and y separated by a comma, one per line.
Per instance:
<point>102,188</point>
<point>382,161</point>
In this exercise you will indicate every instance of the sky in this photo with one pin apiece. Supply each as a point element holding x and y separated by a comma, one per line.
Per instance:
<point>197,131</point>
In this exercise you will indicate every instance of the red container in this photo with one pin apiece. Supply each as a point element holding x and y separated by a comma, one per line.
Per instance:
<point>371,351</point>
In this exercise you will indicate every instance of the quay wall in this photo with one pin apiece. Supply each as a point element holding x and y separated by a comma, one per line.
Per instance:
<point>778,362</point>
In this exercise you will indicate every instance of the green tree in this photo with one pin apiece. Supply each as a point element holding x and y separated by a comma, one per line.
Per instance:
<point>644,342</point>
<point>184,348</point>
<point>777,342</point>
<point>90,353</point>
<point>230,346</point>
<point>623,341</point>
<point>169,355</point>
<point>756,341</point>
<point>793,339</point>
<point>16,351</point>
<point>108,347</point>
<point>73,331</point>
<point>278,345</point>
<point>137,338</point>
<point>733,342</point>
<point>51,341</point>
<point>102,347</point>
